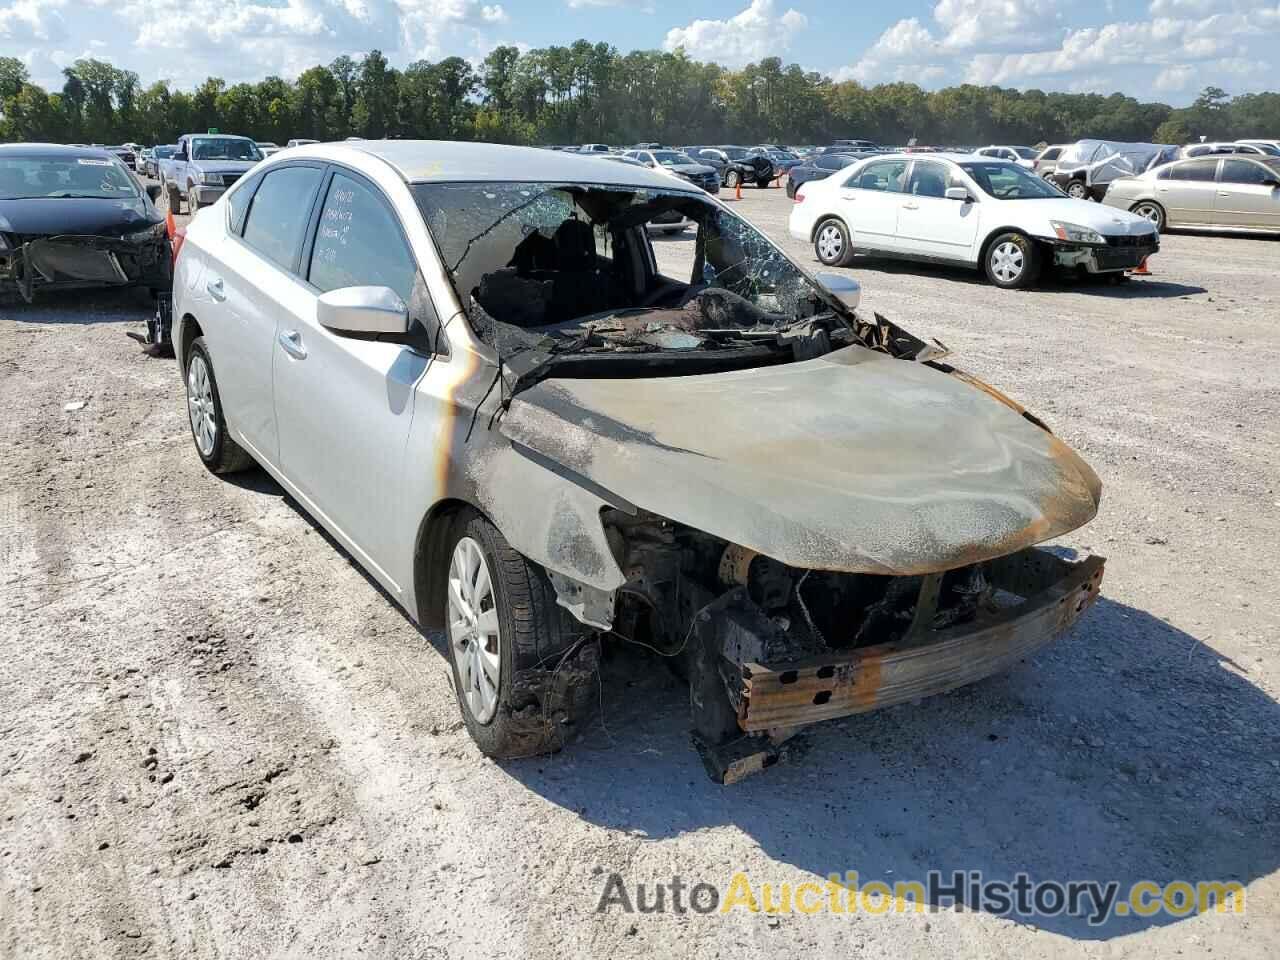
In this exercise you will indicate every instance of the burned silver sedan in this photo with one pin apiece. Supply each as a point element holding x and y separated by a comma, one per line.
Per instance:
<point>544,432</point>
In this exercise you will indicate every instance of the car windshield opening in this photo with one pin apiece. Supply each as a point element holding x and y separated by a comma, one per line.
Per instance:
<point>550,269</point>
<point>1008,181</point>
<point>31,178</point>
<point>669,158</point>
<point>224,148</point>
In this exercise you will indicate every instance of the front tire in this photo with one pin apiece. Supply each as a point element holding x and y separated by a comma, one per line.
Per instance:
<point>1150,210</point>
<point>1012,261</point>
<point>507,639</point>
<point>732,179</point>
<point>1076,190</point>
<point>832,244</point>
<point>218,452</point>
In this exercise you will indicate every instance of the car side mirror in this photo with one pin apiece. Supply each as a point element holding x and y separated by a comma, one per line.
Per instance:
<point>153,191</point>
<point>845,289</point>
<point>363,310</point>
<point>1271,182</point>
<point>959,193</point>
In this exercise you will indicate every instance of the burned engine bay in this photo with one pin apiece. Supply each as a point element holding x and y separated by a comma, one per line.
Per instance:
<point>768,648</point>
<point>865,538</point>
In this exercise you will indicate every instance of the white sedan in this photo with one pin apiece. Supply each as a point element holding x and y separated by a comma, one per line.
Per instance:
<point>960,208</point>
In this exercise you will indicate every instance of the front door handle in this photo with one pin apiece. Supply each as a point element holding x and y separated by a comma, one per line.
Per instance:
<point>291,341</point>
<point>214,288</point>
<point>1223,193</point>
<point>848,196</point>
<point>911,206</point>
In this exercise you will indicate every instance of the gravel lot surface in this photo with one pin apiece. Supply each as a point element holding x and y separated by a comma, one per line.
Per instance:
<point>219,739</point>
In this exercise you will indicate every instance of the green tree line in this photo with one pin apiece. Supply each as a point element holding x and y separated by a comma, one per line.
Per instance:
<point>593,93</point>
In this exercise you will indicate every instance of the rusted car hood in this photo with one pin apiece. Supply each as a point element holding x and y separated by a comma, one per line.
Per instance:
<point>854,461</point>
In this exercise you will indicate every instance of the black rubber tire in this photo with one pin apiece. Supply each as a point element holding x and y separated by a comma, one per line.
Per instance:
<point>845,256</point>
<point>763,184</point>
<point>1081,191</point>
<point>192,203</point>
<point>541,701</point>
<point>1159,210</point>
<point>791,189</point>
<point>175,199</point>
<point>227,456</point>
<point>1031,261</point>
<point>732,179</point>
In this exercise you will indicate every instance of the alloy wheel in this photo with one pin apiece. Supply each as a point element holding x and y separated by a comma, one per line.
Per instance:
<point>1007,261</point>
<point>473,629</point>
<point>200,406</point>
<point>1149,211</point>
<point>1076,190</point>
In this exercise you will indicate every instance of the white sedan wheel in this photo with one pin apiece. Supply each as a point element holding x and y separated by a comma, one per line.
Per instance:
<point>200,406</point>
<point>1007,261</point>
<point>473,629</point>
<point>830,243</point>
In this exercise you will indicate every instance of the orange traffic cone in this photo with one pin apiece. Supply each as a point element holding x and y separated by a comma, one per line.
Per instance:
<point>169,226</point>
<point>1141,270</point>
<point>737,192</point>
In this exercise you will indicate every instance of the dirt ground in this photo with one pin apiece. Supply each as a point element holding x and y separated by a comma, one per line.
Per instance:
<point>219,739</point>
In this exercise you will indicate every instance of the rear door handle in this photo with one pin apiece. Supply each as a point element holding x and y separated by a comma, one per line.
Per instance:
<point>291,341</point>
<point>848,196</point>
<point>214,287</point>
<point>1223,193</point>
<point>911,206</point>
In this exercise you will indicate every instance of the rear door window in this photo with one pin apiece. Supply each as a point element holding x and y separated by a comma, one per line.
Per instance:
<point>1201,170</point>
<point>359,242</point>
<point>279,212</point>
<point>885,175</point>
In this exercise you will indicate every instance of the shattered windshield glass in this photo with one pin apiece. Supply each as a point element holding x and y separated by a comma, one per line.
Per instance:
<point>570,269</point>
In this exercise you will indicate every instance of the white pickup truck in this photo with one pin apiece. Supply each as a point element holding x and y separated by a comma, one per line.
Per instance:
<point>203,166</point>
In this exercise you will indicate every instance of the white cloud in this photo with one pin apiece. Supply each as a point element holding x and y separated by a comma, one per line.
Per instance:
<point>755,33</point>
<point>27,21</point>
<point>240,40</point>
<point>1182,44</point>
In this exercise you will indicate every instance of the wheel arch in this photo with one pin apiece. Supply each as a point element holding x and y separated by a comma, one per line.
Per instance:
<point>1164,212</point>
<point>188,329</point>
<point>823,218</point>
<point>998,231</point>
<point>430,552</point>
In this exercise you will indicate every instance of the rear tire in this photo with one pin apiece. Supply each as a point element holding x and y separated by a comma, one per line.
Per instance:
<point>1012,261</point>
<point>832,244</point>
<point>218,452</point>
<point>175,200</point>
<point>1150,210</point>
<point>515,629</point>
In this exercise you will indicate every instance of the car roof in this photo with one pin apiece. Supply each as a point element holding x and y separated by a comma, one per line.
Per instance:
<point>50,150</point>
<point>446,161</point>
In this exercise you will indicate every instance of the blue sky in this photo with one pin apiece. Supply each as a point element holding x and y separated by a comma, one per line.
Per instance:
<point>1158,49</point>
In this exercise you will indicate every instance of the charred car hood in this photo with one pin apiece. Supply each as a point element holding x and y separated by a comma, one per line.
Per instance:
<point>70,216</point>
<point>854,461</point>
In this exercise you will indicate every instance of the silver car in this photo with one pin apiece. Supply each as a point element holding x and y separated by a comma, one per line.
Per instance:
<point>1235,193</point>
<point>543,434</point>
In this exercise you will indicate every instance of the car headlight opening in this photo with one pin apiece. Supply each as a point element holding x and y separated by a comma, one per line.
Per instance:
<point>1074,233</point>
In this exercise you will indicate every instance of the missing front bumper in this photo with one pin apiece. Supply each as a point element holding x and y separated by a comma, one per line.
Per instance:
<point>78,262</point>
<point>1095,259</point>
<point>767,701</point>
